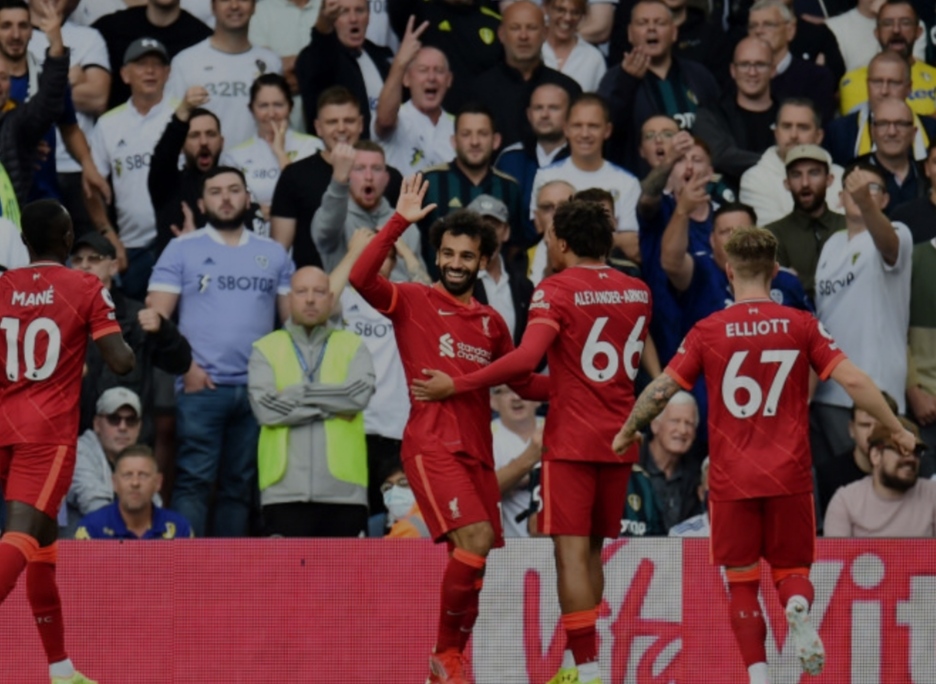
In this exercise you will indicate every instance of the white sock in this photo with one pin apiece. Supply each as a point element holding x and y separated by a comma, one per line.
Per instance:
<point>568,660</point>
<point>798,600</point>
<point>758,673</point>
<point>62,668</point>
<point>588,672</point>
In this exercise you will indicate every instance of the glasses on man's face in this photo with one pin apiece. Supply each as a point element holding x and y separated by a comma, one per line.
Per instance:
<point>78,260</point>
<point>753,66</point>
<point>769,25</point>
<point>115,419</point>
<point>900,125</point>
<point>875,188</point>
<point>879,83</point>
<point>659,135</point>
<point>387,486</point>
<point>900,23</point>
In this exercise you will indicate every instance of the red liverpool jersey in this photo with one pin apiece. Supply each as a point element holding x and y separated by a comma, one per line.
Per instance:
<point>602,317</point>
<point>435,330</point>
<point>47,312</point>
<point>756,356</point>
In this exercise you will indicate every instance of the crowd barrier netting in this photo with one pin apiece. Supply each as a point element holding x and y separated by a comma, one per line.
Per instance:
<point>364,612</point>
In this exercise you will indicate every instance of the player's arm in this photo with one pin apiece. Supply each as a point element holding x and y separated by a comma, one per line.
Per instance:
<point>365,274</point>
<point>116,353</point>
<point>868,397</point>
<point>650,404</point>
<point>674,248</point>
<point>650,358</point>
<point>508,369</point>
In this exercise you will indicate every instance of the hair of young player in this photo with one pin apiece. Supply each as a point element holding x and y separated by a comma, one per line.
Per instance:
<point>585,227</point>
<point>752,252</point>
<point>45,224</point>
<point>464,222</point>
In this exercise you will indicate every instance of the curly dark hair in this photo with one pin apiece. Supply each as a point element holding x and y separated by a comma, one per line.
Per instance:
<point>464,222</point>
<point>586,228</point>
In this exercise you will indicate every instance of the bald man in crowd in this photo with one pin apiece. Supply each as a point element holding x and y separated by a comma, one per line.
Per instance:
<point>308,385</point>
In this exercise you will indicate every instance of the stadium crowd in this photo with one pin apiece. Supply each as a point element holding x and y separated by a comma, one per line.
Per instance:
<point>225,162</point>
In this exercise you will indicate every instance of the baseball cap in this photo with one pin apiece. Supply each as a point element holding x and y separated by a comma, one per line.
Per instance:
<point>813,152</point>
<point>881,436</point>
<point>486,205</point>
<point>145,46</point>
<point>98,244</point>
<point>116,397</point>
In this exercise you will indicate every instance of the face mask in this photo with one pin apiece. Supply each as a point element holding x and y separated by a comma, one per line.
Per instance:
<point>398,500</point>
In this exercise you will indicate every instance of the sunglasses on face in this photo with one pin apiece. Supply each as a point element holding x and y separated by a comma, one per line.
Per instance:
<point>115,419</point>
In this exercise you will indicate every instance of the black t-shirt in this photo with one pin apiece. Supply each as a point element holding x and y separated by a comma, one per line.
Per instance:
<point>757,134</point>
<point>920,217</point>
<point>298,196</point>
<point>122,28</point>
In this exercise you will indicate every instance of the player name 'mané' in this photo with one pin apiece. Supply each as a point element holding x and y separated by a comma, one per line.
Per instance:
<point>611,297</point>
<point>33,298</point>
<point>752,328</point>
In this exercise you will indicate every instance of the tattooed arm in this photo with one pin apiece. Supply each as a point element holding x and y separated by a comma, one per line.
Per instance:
<point>650,404</point>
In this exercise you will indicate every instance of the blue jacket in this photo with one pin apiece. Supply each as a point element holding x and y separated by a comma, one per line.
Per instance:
<point>107,523</point>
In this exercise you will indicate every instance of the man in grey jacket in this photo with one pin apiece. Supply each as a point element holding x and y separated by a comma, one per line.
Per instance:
<point>355,199</point>
<point>308,385</point>
<point>116,426</point>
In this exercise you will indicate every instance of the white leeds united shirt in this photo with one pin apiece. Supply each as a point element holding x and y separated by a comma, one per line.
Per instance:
<point>622,185</point>
<point>508,446</point>
<point>255,158</point>
<point>227,78</point>
<point>388,410</point>
<point>416,143</point>
<point>122,145</point>
<point>865,306</point>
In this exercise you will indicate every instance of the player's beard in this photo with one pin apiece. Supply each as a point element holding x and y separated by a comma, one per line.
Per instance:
<point>458,289</point>
<point>232,223</point>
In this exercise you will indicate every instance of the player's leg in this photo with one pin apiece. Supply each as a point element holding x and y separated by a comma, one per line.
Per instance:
<point>736,542</point>
<point>790,537</point>
<point>446,488</point>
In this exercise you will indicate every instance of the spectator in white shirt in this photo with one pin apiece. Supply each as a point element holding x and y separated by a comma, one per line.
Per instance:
<point>275,146</point>
<point>565,51</point>
<point>518,448</point>
<point>226,64</point>
<point>417,134</point>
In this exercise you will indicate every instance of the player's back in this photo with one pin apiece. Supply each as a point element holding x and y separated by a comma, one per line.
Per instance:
<point>602,317</point>
<point>47,313</point>
<point>434,330</point>
<point>756,357</point>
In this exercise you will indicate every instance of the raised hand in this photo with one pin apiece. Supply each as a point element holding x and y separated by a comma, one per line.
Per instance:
<point>342,159</point>
<point>195,97</point>
<point>279,137</point>
<point>636,62</point>
<point>359,240</point>
<point>858,185</point>
<point>439,386</point>
<point>188,221</point>
<point>410,44</point>
<point>693,194</point>
<point>412,194</point>
<point>328,15</point>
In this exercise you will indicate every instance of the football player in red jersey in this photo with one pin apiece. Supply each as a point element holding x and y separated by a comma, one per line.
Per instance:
<point>47,313</point>
<point>756,357</point>
<point>577,318</point>
<point>447,450</point>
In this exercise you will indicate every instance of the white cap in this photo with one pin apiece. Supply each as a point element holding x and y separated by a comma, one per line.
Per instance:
<point>116,397</point>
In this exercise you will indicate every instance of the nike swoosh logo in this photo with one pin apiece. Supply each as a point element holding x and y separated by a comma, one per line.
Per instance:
<point>446,313</point>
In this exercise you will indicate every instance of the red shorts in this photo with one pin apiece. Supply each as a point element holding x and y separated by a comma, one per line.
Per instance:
<point>37,474</point>
<point>454,491</point>
<point>779,529</point>
<point>583,499</point>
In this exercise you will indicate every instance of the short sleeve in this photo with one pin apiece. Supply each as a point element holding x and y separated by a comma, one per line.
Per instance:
<point>285,275</point>
<point>102,317</point>
<point>546,305</point>
<point>168,273</point>
<point>686,365</point>
<point>99,149</point>
<point>905,251</point>
<point>824,354</point>
<point>96,53</point>
<point>627,207</point>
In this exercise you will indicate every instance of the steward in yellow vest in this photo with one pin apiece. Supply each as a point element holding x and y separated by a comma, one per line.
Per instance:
<point>309,384</point>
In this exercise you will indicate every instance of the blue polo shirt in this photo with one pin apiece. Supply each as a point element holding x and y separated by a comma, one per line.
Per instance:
<point>666,326</point>
<point>107,523</point>
<point>227,295</point>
